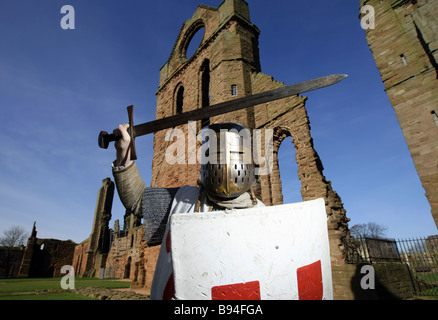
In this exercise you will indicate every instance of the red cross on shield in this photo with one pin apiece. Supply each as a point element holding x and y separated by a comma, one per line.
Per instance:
<point>277,252</point>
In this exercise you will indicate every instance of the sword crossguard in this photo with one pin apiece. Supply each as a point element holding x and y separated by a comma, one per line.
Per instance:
<point>131,131</point>
<point>105,138</point>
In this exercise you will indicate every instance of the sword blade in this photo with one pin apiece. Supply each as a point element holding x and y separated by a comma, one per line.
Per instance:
<point>236,104</point>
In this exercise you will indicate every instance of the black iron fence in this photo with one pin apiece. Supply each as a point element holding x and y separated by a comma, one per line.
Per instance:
<point>420,255</point>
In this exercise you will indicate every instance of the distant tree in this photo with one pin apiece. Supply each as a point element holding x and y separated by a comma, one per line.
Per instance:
<point>368,230</point>
<point>12,238</point>
<point>359,230</point>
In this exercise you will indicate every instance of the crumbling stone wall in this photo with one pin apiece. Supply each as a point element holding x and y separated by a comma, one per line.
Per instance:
<point>125,251</point>
<point>10,260</point>
<point>145,268</point>
<point>130,258</point>
<point>115,253</point>
<point>45,257</point>
<point>228,58</point>
<point>404,44</point>
<point>80,257</point>
<point>91,254</point>
<point>50,255</point>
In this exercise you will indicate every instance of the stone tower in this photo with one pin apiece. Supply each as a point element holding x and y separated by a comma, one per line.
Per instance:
<point>404,44</point>
<point>25,267</point>
<point>226,66</point>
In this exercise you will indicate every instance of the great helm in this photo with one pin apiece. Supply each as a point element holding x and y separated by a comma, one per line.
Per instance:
<point>226,163</point>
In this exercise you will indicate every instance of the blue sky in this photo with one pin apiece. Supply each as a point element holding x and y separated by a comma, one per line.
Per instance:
<point>59,88</point>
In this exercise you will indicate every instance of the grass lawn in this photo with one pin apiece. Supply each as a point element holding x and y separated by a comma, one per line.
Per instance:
<point>45,296</point>
<point>428,277</point>
<point>25,289</point>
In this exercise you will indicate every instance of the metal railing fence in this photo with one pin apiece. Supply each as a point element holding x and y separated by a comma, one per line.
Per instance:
<point>419,254</point>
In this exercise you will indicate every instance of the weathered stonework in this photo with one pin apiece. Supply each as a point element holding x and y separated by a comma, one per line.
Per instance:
<point>115,253</point>
<point>392,282</point>
<point>228,56</point>
<point>404,44</point>
<point>90,255</point>
<point>10,261</point>
<point>45,257</point>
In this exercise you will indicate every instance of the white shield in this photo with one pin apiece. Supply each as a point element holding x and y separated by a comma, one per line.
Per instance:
<point>277,252</point>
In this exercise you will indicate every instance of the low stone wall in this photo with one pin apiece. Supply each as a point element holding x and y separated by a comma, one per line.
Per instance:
<point>392,281</point>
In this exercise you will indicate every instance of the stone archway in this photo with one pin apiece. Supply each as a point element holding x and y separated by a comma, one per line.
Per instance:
<point>127,269</point>
<point>270,186</point>
<point>287,164</point>
<point>310,173</point>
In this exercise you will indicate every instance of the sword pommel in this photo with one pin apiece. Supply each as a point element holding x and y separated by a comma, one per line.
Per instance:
<point>105,138</point>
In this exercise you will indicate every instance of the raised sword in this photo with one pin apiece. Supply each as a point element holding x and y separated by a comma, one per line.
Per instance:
<point>224,107</point>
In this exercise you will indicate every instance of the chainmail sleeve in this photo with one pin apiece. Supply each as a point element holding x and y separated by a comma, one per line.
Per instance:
<point>156,204</point>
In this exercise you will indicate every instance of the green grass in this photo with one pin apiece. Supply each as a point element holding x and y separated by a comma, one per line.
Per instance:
<point>30,285</point>
<point>28,289</point>
<point>425,297</point>
<point>430,276</point>
<point>45,296</point>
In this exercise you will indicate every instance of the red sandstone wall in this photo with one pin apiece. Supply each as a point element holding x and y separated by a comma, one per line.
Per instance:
<point>404,44</point>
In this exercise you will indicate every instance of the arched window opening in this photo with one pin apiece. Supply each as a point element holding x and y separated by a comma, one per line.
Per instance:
<point>290,182</point>
<point>179,99</point>
<point>127,269</point>
<point>194,42</point>
<point>205,89</point>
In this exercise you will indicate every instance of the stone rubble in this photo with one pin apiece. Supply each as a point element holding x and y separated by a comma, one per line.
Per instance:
<point>110,294</point>
<point>101,293</point>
